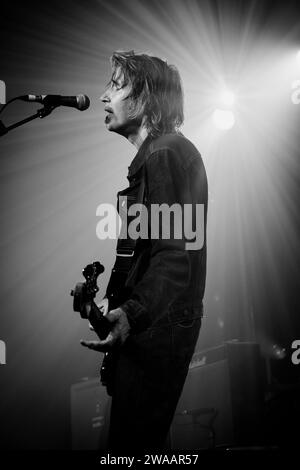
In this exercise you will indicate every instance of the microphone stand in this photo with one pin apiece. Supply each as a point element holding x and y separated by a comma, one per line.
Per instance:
<point>41,113</point>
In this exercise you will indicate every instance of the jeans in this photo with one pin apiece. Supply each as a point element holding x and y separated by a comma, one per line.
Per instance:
<point>149,377</point>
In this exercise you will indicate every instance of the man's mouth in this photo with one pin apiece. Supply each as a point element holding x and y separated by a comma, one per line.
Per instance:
<point>108,116</point>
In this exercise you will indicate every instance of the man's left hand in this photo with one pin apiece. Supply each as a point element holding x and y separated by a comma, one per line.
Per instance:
<point>117,335</point>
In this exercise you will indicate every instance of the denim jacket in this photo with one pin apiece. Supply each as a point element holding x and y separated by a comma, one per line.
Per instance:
<point>166,281</point>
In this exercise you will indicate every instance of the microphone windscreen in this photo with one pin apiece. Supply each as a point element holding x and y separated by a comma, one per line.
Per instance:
<point>83,102</point>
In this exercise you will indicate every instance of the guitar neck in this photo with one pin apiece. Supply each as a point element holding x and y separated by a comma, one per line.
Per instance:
<point>98,321</point>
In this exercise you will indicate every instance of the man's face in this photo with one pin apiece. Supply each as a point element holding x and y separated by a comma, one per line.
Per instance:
<point>118,106</point>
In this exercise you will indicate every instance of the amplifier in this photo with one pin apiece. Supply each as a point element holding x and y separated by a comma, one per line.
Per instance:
<point>222,400</point>
<point>90,411</point>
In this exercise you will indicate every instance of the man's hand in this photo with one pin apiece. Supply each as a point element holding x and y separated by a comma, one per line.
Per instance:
<point>117,335</point>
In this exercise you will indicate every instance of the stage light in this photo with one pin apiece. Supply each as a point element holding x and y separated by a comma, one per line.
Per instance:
<point>278,352</point>
<point>223,119</point>
<point>227,98</point>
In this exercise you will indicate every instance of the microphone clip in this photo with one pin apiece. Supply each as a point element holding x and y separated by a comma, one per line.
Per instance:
<point>45,111</point>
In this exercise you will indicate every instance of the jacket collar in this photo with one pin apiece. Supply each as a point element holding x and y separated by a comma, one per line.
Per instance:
<point>139,158</point>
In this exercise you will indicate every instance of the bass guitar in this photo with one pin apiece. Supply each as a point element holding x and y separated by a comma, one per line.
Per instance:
<point>83,302</point>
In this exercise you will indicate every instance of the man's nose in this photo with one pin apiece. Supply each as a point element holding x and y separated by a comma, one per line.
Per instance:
<point>105,96</point>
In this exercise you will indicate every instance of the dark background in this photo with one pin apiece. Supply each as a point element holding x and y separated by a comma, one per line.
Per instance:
<point>56,171</point>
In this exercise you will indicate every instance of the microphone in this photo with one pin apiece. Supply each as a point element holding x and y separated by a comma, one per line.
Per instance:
<point>81,102</point>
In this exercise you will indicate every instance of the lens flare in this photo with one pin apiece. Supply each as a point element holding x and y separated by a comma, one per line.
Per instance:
<point>227,98</point>
<point>223,119</point>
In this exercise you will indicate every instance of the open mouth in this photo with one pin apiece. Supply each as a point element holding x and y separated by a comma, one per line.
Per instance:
<point>109,113</point>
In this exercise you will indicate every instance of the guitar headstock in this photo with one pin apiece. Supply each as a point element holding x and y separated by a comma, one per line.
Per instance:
<point>91,273</point>
<point>85,292</point>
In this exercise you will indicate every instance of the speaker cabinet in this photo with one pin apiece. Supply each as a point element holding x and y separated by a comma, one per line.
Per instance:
<point>222,400</point>
<point>90,409</point>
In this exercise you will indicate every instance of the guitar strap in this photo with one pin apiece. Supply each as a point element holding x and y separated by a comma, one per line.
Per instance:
<point>116,290</point>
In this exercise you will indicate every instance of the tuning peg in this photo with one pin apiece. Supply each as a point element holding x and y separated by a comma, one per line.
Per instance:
<point>88,271</point>
<point>98,267</point>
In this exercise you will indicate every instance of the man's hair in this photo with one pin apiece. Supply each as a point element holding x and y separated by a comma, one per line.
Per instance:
<point>156,90</point>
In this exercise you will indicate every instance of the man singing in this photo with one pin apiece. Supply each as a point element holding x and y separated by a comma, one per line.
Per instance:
<point>156,321</point>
